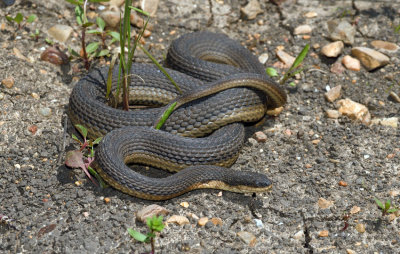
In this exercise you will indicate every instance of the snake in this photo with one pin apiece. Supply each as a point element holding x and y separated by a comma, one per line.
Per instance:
<point>223,85</point>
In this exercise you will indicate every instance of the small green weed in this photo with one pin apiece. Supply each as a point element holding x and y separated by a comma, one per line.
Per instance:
<point>386,208</point>
<point>84,156</point>
<point>397,29</point>
<point>126,61</point>
<point>293,70</point>
<point>155,224</point>
<point>35,35</point>
<point>19,18</point>
<point>88,51</point>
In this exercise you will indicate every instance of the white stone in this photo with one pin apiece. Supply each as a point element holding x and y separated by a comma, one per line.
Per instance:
<point>60,32</point>
<point>333,49</point>
<point>303,29</point>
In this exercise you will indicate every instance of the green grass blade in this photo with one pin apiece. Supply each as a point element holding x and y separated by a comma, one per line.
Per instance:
<point>379,203</point>
<point>165,115</point>
<point>137,235</point>
<point>161,68</point>
<point>300,57</point>
<point>110,75</point>
<point>75,2</point>
<point>387,205</point>
<point>98,177</point>
<point>140,11</point>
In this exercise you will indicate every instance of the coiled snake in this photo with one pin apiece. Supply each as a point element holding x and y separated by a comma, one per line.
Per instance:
<point>223,85</point>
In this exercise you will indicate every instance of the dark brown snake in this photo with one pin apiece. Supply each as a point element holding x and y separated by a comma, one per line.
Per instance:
<point>227,85</point>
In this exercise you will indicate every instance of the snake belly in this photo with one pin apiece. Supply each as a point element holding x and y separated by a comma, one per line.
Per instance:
<point>223,86</point>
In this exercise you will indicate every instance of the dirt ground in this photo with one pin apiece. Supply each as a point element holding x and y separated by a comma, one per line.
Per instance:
<point>322,169</point>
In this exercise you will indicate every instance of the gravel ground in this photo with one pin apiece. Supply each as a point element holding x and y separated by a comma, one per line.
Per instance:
<point>322,168</point>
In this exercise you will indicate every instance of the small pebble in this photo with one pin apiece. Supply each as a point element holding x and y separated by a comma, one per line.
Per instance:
<point>355,209</point>
<point>17,166</point>
<point>112,18</point>
<point>394,193</point>
<point>33,129</point>
<point>315,141</point>
<point>342,183</point>
<point>150,211</point>
<point>1,96</point>
<point>333,93</point>
<point>146,33</point>
<point>323,233</point>
<point>263,58</point>
<point>333,114</point>
<point>392,217</point>
<point>287,59</point>
<point>351,63</point>
<point>178,219</point>
<point>337,68</point>
<point>391,121</point>
<point>45,111</point>
<point>184,204</point>
<point>354,110</point>
<point>341,30</point>
<point>350,251</point>
<point>259,223</point>
<point>60,32</point>
<point>371,59</point>
<point>311,14</point>
<point>216,221</point>
<point>149,6</point>
<point>385,47</point>
<point>35,96</point>
<point>202,221</point>
<point>299,235</point>
<point>260,137</point>
<point>8,82</point>
<point>395,97</point>
<point>107,200</point>
<point>247,237</point>
<point>303,29</point>
<point>251,10</point>
<point>360,228</point>
<point>333,49</point>
<point>324,204</point>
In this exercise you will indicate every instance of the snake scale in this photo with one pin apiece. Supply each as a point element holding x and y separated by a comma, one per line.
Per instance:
<point>223,86</point>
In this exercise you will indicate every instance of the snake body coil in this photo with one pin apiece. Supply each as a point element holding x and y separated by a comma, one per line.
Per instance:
<point>237,91</point>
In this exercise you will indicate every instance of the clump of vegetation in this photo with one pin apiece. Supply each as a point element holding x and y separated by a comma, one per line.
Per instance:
<point>293,70</point>
<point>386,208</point>
<point>84,156</point>
<point>91,50</point>
<point>19,18</point>
<point>155,224</point>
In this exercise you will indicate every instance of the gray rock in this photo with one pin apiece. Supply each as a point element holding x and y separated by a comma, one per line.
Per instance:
<point>251,10</point>
<point>60,32</point>
<point>341,30</point>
